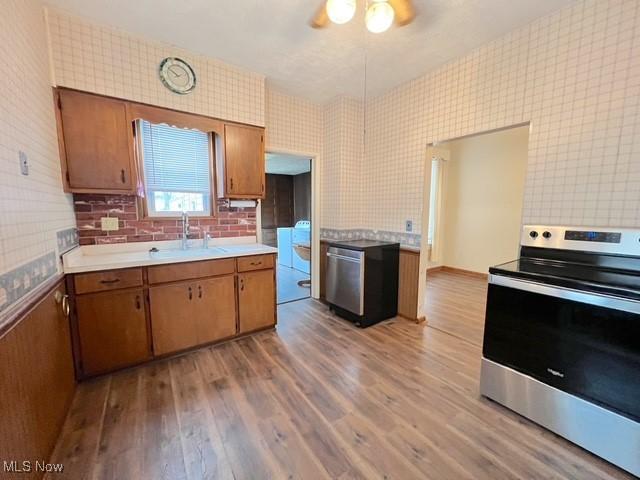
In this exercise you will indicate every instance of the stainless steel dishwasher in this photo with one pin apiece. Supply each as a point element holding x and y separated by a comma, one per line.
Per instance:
<point>362,280</point>
<point>345,279</point>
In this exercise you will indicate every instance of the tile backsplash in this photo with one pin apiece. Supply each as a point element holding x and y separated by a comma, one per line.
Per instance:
<point>90,208</point>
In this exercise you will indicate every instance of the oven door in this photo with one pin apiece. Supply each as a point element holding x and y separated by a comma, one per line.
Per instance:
<point>582,343</point>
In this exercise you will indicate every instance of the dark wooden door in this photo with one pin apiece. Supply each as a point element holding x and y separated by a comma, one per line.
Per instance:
<point>97,142</point>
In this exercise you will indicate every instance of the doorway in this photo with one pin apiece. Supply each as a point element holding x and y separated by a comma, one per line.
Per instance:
<point>476,196</point>
<point>285,222</point>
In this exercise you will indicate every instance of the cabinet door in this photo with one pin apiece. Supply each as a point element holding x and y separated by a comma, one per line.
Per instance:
<point>97,142</point>
<point>215,309</point>
<point>112,329</point>
<point>244,161</point>
<point>172,317</point>
<point>256,300</point>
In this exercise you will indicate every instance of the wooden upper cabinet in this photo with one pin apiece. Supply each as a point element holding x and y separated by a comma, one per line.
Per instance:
<point>96,143</point>
<point>241,162</point>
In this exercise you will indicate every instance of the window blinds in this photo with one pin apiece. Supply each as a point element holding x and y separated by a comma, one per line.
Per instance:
<point>175,159</point>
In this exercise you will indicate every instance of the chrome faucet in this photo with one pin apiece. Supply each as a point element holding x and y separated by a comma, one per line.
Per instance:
<point>205,240</point>
<point>185,230</point>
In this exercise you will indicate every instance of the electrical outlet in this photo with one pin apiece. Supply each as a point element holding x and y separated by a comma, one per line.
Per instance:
<point>24,163</point>
<point>109,224</point>
<point>408,225</point>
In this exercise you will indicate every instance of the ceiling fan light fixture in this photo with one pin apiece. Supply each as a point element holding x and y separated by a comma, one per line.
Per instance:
<point>341,11</point>
<point>379,16</point>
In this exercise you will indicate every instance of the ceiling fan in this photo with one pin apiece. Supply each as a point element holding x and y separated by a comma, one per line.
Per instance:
<point>379,14</point>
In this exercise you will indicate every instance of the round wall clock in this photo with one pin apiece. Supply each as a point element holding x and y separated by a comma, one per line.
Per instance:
<point>177,75</point>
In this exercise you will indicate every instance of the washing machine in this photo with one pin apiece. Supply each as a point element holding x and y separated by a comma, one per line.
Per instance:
<point>301,237</point>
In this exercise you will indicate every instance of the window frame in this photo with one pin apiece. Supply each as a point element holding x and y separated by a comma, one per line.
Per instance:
<point>213,129</point>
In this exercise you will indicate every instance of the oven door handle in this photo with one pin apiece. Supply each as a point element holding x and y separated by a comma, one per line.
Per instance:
<point>590,298</point>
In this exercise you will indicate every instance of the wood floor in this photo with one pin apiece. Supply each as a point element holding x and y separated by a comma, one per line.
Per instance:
<point>317,399</point>
<point>456,304</point>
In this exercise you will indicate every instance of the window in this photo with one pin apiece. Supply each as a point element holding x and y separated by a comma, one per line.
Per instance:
<point>177,170</point>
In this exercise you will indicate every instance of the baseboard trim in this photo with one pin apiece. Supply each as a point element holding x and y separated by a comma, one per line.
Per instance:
<point>459,271</point>
<point>414,320</point>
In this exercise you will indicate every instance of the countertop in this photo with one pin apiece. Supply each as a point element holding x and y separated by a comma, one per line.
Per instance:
<point>126,255</point>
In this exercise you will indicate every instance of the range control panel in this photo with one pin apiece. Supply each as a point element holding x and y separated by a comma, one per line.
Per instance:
<point>623,241</point>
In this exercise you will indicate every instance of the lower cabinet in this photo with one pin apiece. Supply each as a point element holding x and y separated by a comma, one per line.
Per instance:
<point>112,330</point>
<point>256,300</point>
<point>186,314</point>
<point>167,309</point>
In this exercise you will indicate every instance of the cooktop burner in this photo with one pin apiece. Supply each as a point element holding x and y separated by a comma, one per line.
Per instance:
<point>599,261</point>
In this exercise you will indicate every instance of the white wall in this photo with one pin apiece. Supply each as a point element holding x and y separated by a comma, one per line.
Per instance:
<point>483,193</point>
<point>33,208</point>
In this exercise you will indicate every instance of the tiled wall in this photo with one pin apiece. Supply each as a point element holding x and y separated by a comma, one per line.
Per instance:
<point>294,125</point>
<point>228,221</point>
<point>111,62</point>
<point>33,208</point>
<point>342,164</point>
<point>575,75</point>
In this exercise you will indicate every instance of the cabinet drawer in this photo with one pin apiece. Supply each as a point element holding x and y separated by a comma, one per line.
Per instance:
<point>109,280</point>
<point>190,270</point>
<point>255,262</point>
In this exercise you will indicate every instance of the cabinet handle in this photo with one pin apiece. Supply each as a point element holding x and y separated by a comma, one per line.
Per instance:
<point>242,284</point>
<point>122,177</point>
<point>63,300</point>
<point>256,263</point>
<point>190,293</point>
<point>199,291</point>
<point>109,282</point>
<point>263,188</point>
<point>138,305</point>
<point>231,183</point>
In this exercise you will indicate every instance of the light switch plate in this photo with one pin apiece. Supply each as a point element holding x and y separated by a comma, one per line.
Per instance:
<point>24,163</point>
<point>109,224</point>
<point>408,225</point>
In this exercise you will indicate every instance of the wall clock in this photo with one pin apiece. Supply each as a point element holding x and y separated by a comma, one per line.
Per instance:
<point>177,75</point>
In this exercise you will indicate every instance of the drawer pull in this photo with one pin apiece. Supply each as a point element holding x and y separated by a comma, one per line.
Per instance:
<point>110,282</point>
<point>255,264</point>
<point>190,293</point>
<point>199,291</point>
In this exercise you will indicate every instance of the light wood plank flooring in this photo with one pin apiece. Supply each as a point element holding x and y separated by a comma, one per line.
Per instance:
<point>316,399</point>
<point>456,304</point>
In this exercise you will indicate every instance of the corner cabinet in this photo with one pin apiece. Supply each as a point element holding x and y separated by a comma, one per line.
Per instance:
<point>96,143</point>
<point>129,316</point>
<point>240,162</point>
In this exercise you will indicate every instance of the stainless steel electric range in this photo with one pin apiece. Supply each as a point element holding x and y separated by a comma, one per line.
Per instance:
<point>562,337</point>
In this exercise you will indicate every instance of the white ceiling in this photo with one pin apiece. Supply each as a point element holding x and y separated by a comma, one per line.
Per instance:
<point>272,37</point>
<point>287,164</point>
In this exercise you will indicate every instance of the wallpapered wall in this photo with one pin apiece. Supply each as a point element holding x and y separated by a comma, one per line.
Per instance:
<point>575,75</point>
<point>36,217</point>
<point>104,60</point>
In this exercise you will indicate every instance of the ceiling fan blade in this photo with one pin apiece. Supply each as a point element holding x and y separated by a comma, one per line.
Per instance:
<point>405,13</point>
<point>320,19</point>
